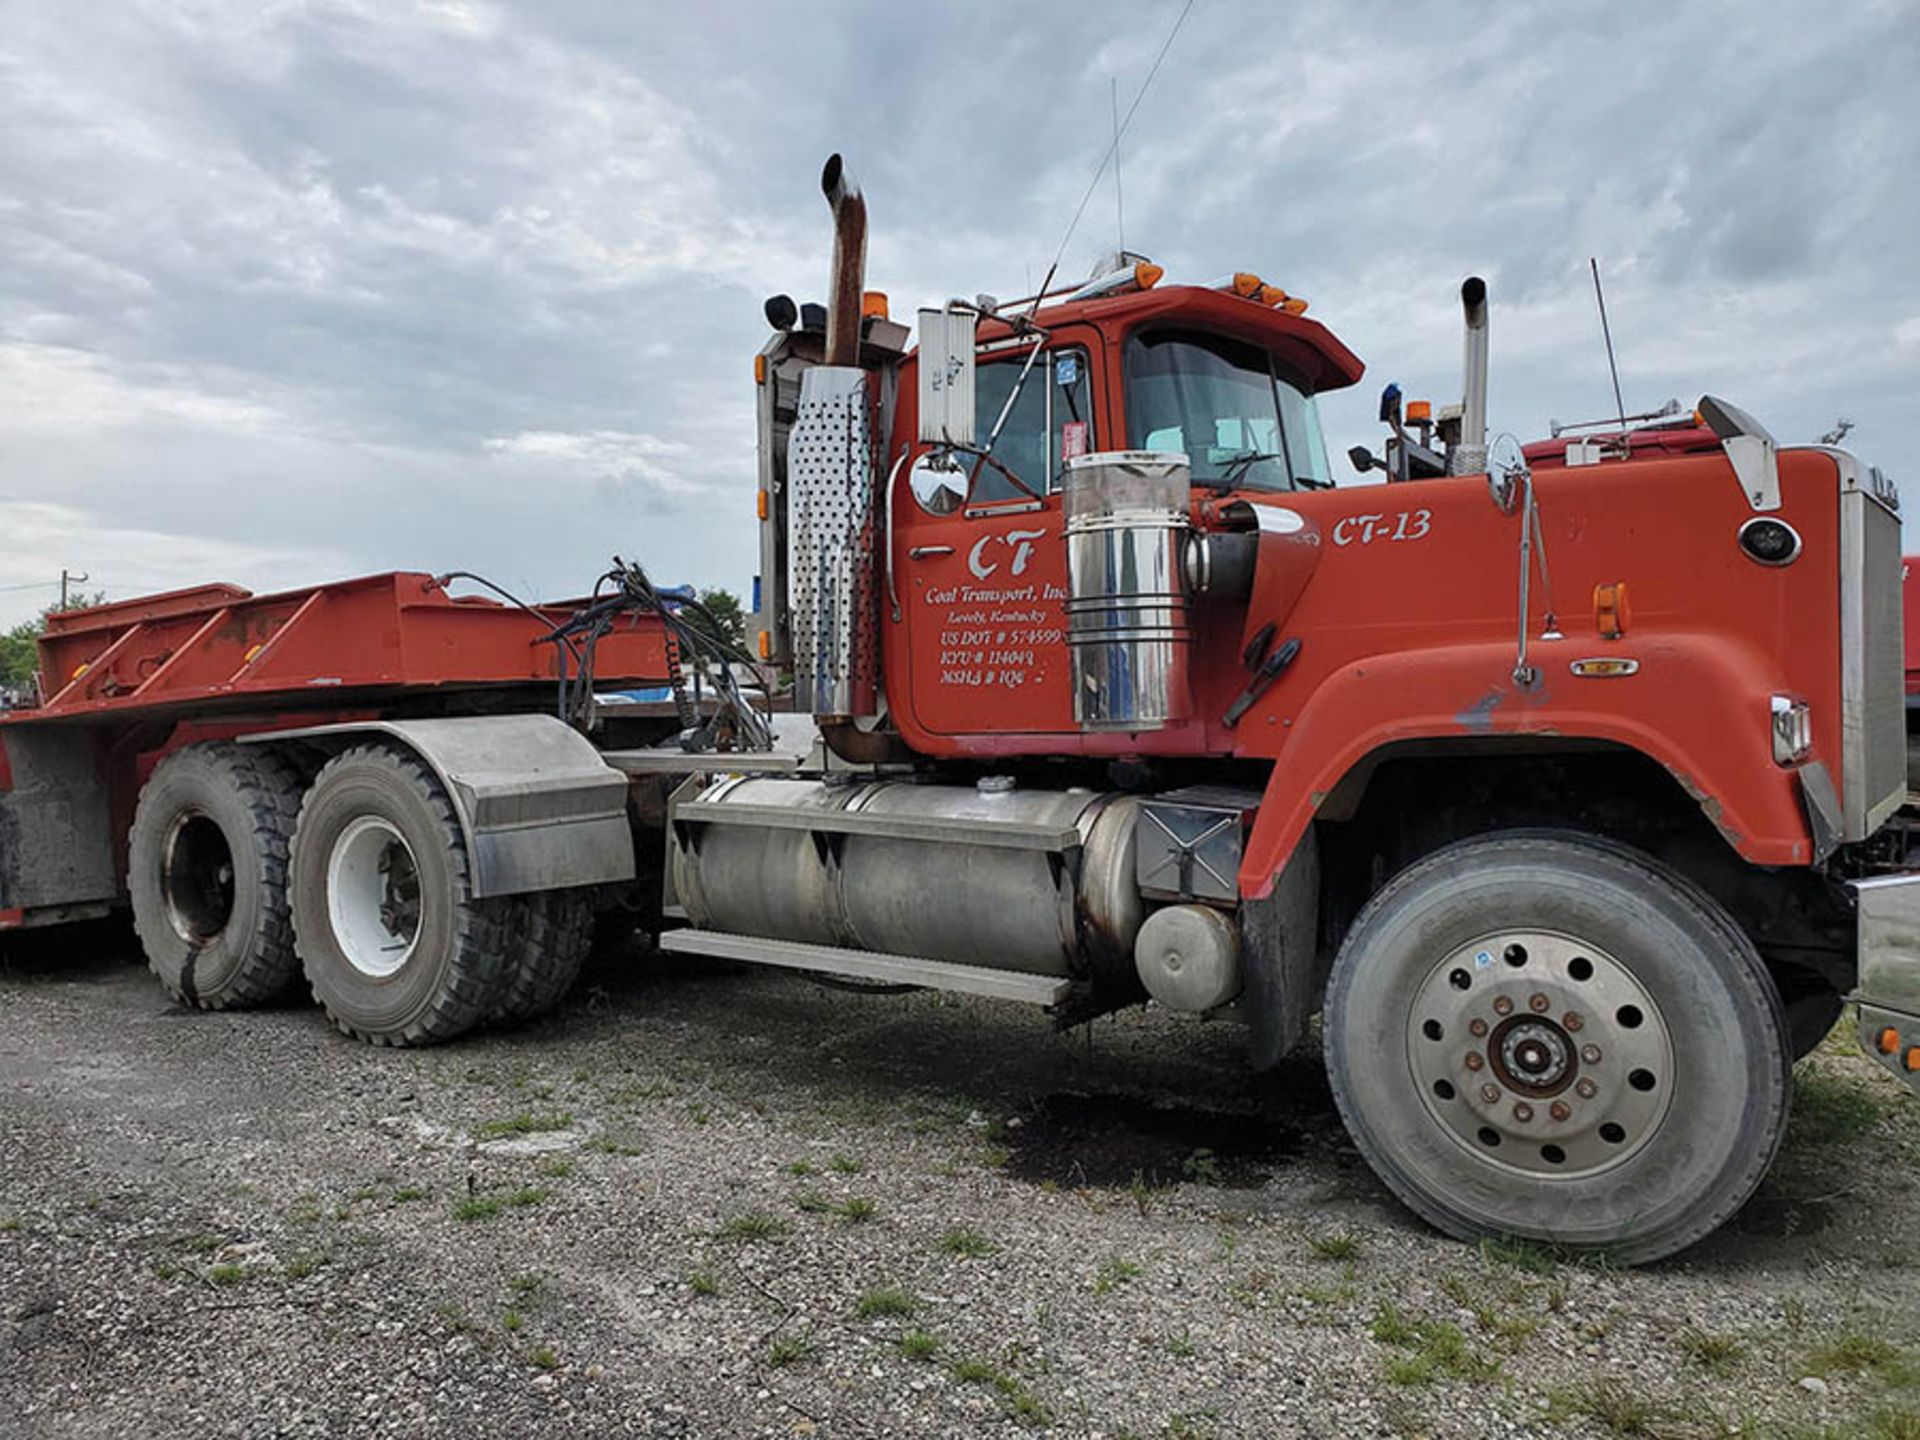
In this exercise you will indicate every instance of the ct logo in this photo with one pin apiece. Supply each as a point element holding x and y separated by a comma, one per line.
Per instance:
<point>1020,540</point>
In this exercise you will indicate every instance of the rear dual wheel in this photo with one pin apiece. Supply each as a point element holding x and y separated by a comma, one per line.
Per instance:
<point>1549,1036</point>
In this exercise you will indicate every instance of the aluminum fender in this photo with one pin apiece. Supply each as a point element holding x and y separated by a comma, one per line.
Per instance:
<point>1698,706</point>
<point>539,808</point>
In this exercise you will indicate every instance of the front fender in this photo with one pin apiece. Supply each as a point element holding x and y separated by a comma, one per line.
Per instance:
<point>1698,705</point>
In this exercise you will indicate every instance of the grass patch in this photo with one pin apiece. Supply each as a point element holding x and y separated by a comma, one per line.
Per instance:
<point>752,1226</point>
<point>479,1207</point>
<point>845,1165</point>
<point>789,1350</point>
<point>888,1300</point>
<point>967,1243</point>
<point>407,1194</point>
<point>528,1195</point>
<point>1716,1354</point>
<point>556,1169</point>
<point>856,1210</point>
<point>301,1266</point>
<point>544,1357</point>
<point>918,1345</point>
<point>1528,1255</point>
<point>512,1322</point>
<point>1435,1350</point>
<point>1829,1109</point>
<point>227,1274</point>
<point>703,1284</point>
<point>525,1123</point>
<point>802,1168</point>
<point>1894,1422</point>
<point>1015,1398</point>
<point>1113,1273</point>
<point>1611,1404</point>
<point>526,1286</point>
<point>1852,1353</point>
<point>608,1146</point>
<point>202,1244</point>
<point>1343,1246</point>
<point>812,1202</point>
<point>9,1223</point>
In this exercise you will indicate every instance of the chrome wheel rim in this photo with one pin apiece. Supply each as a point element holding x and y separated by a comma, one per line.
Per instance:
<point>1540,1053</point>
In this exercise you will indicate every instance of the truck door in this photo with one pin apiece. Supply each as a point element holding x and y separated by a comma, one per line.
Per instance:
<point>981,565</point>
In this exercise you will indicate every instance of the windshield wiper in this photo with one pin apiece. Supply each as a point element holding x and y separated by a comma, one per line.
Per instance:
<point>1236,466</point>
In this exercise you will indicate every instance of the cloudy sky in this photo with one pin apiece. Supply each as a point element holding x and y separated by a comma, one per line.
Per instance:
<point>298,288</point>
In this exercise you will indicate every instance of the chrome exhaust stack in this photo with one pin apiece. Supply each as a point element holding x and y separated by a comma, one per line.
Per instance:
<point>849,262</point>
<point>1469,454</point>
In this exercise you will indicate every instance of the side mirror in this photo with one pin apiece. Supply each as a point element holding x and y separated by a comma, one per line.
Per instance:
<point>1750,449</point>
<point>1364,459</point>
<point>946,376</point>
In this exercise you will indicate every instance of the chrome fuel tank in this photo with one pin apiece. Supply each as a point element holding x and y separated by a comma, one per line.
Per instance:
<point>1040,881</point>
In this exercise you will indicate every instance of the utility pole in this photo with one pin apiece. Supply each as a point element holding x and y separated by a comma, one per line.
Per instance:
<point>66,579</point>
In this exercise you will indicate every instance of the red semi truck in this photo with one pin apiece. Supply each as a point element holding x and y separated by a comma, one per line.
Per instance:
<point>1567,791</point>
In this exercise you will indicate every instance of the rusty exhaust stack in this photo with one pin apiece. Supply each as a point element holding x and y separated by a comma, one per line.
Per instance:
<point>849,262</point>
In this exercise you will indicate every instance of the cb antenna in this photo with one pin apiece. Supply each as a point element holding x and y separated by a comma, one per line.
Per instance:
<point>1112,150</point>
<point>1606,334</point>
<point>1119,207</point>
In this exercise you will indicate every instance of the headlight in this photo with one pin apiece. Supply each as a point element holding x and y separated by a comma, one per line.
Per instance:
<point>1792,730</point>
<point>1770,541</point>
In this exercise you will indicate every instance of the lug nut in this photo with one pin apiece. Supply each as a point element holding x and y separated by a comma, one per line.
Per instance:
<point>1490,1094</point>
<point>1573,1020</point>
<point>1590,1054</point>
<point>1560,1110</point>
<point>1477,1026</point>
<point>1474,1060</point>
<point>1502,1006</point>
<point>1539,1003</point>
<point>1586,1089</point>
<point>1522,1112</point>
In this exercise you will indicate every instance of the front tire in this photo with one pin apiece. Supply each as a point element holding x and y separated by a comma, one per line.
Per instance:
<point>396,947</point>
<point>1549,1036</point>
<point>207,874</point>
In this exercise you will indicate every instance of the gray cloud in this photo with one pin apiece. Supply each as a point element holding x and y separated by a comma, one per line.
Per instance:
<point>301,287</point>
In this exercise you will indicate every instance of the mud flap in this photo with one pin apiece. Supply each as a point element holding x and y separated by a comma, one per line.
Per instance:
<point>1279,957</point>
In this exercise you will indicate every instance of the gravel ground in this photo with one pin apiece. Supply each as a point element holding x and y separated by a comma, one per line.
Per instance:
<point>708,1202</point>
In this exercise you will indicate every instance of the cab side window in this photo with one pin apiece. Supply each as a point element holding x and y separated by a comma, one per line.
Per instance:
<point>1058,395</point>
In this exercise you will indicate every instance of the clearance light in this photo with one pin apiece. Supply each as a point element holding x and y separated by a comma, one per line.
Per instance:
<point>1605,667</point>
<point>1243,283</point>
<point>1610,610</point>
<point>1887,1041</point>
<point>765,646</point>
<point>760,503</point>
<point>1124,281</point>
<point>1792,724</point>
<point>1295,305</point>
<point>1912,1058</point>
<point>759,369</point>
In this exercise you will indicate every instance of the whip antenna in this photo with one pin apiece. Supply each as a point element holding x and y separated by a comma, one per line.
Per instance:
<point>1607,334</point>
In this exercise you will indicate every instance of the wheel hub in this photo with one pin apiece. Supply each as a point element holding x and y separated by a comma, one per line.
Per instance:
<point>1540,1052</point>
<point>373,896</point>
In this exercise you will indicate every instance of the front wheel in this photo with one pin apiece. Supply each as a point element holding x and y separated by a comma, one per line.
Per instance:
<point>1549,1036</point>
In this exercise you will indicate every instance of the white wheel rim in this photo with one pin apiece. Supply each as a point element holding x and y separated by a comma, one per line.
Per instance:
<point>373,897</point>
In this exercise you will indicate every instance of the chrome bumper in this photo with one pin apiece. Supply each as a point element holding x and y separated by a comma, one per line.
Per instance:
<point>1888,992</point>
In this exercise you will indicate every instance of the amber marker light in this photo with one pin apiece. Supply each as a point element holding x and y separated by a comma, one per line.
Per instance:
<point>873,304</point>
<point>759,369</point>
<point>1912,1060</point>
<point>1610,610</point>
<point>1419,410</point>
<point>760,503</point>
<point>766,646</point>
<point>1294,306</point>
<point>1888,1040</point>
<point>1146,274</point>
<point>1605,667</point>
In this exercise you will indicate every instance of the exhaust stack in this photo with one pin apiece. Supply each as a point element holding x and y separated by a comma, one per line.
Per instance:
<point>1469,454</point>
<point>849,262</point>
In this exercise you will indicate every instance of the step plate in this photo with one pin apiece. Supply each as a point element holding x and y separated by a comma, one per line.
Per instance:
<point>871,965</point>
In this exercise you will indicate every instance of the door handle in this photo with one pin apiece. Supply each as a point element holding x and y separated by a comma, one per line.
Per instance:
<point>921,552</point>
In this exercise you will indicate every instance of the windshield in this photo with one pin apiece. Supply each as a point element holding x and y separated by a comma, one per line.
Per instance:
<point>1229,408</point>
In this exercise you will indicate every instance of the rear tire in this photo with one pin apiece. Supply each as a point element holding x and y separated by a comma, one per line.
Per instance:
<point>396,947</point>
<point>558,934</point>
<point>207,862</point>
<point>1554,1037</point>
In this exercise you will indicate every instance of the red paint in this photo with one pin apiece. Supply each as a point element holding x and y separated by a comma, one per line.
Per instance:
<point>1405,599</point>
